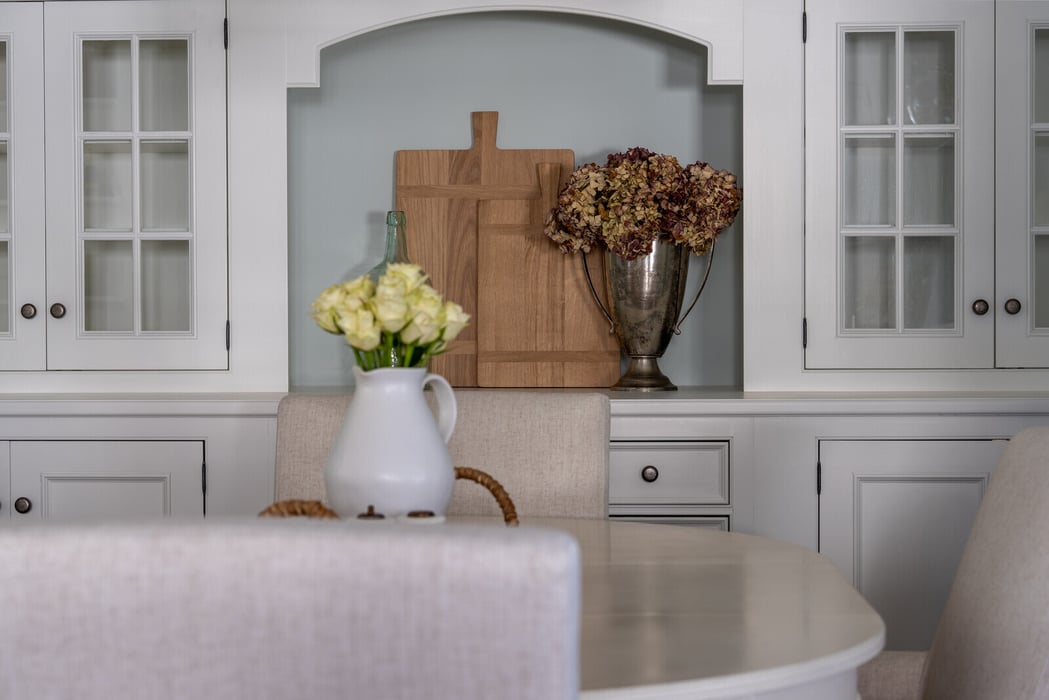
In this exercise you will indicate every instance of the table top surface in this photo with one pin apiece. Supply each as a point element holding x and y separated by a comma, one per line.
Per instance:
<point>677,611</point>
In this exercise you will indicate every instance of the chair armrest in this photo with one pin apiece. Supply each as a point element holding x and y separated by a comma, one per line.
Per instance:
<point>892,675</point>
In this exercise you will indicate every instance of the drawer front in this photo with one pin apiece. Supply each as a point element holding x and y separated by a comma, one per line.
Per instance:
<point>711,522</point>
<point>669,472</point>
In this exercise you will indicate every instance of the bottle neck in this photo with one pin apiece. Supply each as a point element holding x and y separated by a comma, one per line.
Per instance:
<point>396,240</point>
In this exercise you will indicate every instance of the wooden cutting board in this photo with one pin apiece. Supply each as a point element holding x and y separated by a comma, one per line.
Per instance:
<point>475,225</point>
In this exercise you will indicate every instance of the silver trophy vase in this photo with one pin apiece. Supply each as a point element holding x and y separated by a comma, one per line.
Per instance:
<point>645,296</point>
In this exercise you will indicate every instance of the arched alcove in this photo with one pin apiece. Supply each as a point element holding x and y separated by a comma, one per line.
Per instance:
<point>559,80</point>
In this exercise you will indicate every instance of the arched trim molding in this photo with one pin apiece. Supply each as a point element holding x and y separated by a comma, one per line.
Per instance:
<point>716,24</point>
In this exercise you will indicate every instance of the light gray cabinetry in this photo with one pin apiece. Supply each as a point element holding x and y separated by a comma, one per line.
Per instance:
<point>137,456</point>
<point>894,518</point>
<point>104,479</point>
<point>669,462</point>
<point>124,148</point>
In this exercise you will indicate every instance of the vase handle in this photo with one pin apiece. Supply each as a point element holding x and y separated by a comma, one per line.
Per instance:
<point>706,275</point>
<point>447,409</point>
<point>589,283</point>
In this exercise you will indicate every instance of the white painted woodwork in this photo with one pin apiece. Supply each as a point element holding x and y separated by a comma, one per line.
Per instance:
<point>23,347</point>
<point>894,518</point>
<point>70,344</point>
<point>710,522</point>
<point>831,343</point>
<point>685,473</point>
<point>236,433</point>
<point>73,480</point>
<point>1021,341</point>
<point>6,507</point>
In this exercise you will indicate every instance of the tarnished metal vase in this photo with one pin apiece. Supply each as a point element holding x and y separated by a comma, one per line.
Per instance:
<point>645,298</point>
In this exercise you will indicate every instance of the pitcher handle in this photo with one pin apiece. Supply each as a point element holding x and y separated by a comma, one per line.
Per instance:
<point>706,275</point>
<point>589,283</point>
<point>447,409</point>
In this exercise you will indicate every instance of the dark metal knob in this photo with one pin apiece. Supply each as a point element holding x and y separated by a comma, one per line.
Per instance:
<point>980,307</point>
<point>58,310</point>
<point>649,473</point>
<point>1013,306</point>
<point>23,505</point>
<point>28,311</point>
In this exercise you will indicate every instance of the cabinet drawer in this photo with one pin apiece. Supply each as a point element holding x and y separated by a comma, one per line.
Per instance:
<point>710,522</point>
<point>677,472</point>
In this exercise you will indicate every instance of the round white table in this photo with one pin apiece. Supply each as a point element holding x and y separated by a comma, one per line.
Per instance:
<point>671,611</point>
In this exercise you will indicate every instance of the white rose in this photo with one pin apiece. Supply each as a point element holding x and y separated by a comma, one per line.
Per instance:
<point>407,276</point>
<point>425,299</point>
<point>325,305</point>
<point>454,319</point>
<point>360,329</point>
<point>390,310</point>
<point>423,329</point>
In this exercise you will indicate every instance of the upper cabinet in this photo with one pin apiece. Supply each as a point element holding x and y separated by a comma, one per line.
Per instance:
<point>113,199</point>
<point>925,229</point>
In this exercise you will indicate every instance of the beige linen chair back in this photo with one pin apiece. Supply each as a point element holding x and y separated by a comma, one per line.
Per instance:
<point>288,608</point>
<point>548,449</point>
<point>992,640</point>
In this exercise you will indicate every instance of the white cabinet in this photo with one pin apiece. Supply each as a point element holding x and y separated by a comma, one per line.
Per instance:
<point>911,262</point>
<point>113,187</point>
<point>78,479</point>
<point>672,462</point>
<point>894,518</point>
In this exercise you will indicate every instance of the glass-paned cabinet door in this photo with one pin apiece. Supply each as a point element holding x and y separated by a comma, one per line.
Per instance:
<point>22,300</point>
<point>136,185</point>
<point>899,197</point>
<point>1022,172</point>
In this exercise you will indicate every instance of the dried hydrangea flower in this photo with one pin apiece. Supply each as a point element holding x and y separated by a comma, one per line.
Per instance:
<point>639,196</point>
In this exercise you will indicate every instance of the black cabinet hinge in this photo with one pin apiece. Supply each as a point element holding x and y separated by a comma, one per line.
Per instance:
<point>229,333</point>
<point>225,32</point>
<point>804,333</point>
<point>819,477</point>
<point>804,27</point>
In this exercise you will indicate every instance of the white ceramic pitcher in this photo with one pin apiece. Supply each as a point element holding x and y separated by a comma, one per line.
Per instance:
<point>391,453</point>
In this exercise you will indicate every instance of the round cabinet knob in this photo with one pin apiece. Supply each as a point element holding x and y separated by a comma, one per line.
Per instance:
<point>1013,306</point>
<point>649,473</point>
<point>23,505</point>
<point>980,307</point>
<point>28,311</point>
<point>58,310</point>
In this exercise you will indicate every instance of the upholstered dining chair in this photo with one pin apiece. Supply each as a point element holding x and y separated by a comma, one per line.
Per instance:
<point>288,608</point>
<point>548,449</point>
<point>992,641</point>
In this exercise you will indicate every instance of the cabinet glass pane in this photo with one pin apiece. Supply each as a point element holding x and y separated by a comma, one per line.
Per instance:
<point>107,85</point>
<point>165,185</point>
<point>869,78</point>
<point>163,79</point>
<point>928,77</point>
<point>1040,183</point>
<point>5,208</point>
<point>928,180</point>
<point>928,282</point>
<point>869,181</point>
<point>109,286</point>
<point>107,185</point>
<point>3,86</point>
<point>165,286</point>
<point>869,280</point>
<point>1040,69</point>
<point>1041,282</point>
<point>5,288</point>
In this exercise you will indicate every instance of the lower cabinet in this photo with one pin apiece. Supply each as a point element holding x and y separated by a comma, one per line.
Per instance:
<point>684,482</point>
<point>84,479</point>
<point>894,517</point>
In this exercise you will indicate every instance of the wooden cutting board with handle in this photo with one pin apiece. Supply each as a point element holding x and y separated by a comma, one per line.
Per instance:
<point>475,224</point>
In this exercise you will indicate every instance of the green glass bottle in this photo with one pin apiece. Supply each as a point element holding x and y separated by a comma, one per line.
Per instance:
<point>396,244</point>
